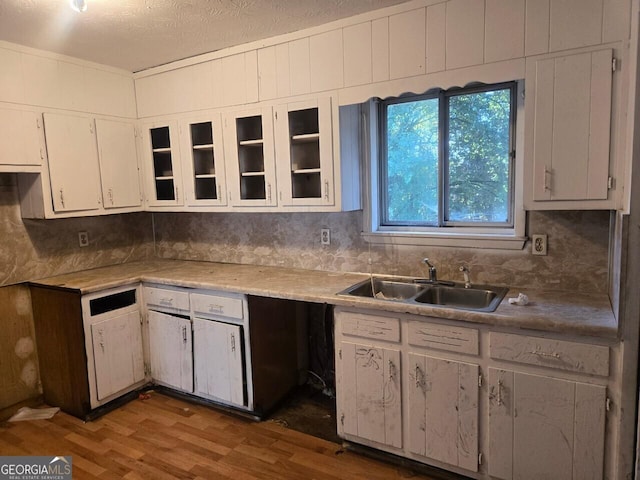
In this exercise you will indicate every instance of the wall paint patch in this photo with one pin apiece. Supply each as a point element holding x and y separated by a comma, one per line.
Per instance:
<point>29,374</point>
<point>24,347</point>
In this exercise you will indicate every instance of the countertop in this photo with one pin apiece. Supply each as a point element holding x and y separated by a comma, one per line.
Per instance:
<point>549,311</point>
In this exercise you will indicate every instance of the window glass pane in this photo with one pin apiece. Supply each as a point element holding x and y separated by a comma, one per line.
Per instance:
<point>412,162</point>
<point>478,168</point>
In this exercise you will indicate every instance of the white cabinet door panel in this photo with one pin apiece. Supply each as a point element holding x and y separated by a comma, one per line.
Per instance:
<point>73,162</point>
<point>542,427</point>
<point>118,164</point>
<point>218,370</point>
<point>305,153</point>
<point>443,410</point>
<point>20,137</point>
<point>571,128</point>
<point>117,353</point>
<point>371,401</point>
<point>170,345</point>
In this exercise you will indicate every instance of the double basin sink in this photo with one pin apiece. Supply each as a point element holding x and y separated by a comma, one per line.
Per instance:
<point>479,298</point>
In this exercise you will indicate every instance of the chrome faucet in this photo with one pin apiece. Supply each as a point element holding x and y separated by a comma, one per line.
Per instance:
<point>433,273</point>
<point>465,271</point>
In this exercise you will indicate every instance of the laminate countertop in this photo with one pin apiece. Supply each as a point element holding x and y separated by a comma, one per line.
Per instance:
<point>548,311</point>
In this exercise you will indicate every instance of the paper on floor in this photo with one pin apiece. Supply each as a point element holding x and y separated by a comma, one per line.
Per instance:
<point>26,413</point>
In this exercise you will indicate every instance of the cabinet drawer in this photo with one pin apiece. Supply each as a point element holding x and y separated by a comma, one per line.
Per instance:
<point>163,297</point>
<point>371,326</point>
<point>218,305</point>
<point>443,337</point>
<point>560,354</point>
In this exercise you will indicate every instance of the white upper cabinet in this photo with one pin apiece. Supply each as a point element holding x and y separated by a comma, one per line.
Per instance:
<point>568,123</point>
<point>21,140</point>
<point>304,147</point>
<point>73,162</point>
<point>91,168</point>
<point>203,160</point>
<point>119,172</point>
<point>163,185</point>
<point>250,159</point>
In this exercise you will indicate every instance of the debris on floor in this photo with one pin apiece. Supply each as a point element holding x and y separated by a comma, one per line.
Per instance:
<point>145,395</point>
<point>27,413</point>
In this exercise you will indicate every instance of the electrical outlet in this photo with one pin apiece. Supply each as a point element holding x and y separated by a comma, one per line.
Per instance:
<point>539,244</point>
<point>325,236</point>
<point>83,239</point>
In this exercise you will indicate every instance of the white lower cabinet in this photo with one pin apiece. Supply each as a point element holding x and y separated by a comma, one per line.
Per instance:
<point>170,350</point>
<point>479,402</point>
<point>371,405</point>
<point>218,361</point>
<point>117,353</point>
<point>114,343</point>
<point>542,427</point>
<point>443,410</point>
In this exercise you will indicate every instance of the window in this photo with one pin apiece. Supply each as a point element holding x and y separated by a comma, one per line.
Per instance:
<point>446,163</point>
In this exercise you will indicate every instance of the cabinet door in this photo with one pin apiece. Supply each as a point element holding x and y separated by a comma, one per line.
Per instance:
<point>117,352</point>
<point>171,350</point>
<point>304,146</point>
<point>118,164</point>
<point>443,410</point>
<point>571,127</point>
<point>20,138</point>
<point>217,352</point>
<point>249,152</point>
<point>203,161</point>
<point>163,176</point>
<point>369,405</point>
<point>73,162</point>
<point>541,427</point>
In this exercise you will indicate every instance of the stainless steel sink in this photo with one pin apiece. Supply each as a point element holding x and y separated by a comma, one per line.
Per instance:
<point>484,299</point>
<point>480,298</point>
<point>386,289</point>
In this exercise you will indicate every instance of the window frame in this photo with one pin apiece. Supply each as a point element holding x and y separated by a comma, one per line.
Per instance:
<point>507,235</point>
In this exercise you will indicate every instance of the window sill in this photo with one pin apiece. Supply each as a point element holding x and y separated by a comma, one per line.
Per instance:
<point>489,241</point>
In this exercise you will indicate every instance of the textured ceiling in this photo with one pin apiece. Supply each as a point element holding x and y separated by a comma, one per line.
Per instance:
<point>138,34</point>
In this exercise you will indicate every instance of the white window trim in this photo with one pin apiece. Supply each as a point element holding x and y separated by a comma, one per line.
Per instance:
<point>512,238</point>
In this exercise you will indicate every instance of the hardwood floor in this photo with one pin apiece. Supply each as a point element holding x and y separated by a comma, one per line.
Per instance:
<point>165,438</point>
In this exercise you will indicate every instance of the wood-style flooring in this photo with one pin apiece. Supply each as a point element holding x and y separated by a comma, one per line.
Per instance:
<point>164,438</point>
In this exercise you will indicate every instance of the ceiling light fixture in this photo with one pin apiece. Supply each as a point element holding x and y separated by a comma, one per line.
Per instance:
<point>79,5</point>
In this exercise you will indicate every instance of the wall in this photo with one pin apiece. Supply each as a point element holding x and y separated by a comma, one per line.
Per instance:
<point>19,379</point>
<point>578,247</point>
<point>34,249</point>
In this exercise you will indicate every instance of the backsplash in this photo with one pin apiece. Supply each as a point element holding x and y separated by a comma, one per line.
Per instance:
<point>33,249</point>
<point>578,245</point>
<point>577,257</point>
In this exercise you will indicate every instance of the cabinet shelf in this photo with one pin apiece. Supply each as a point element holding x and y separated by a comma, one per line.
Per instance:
<point>251,143</point>
<point>203,147</point>
<point>162,150</point>
<point>252,174</point>
<point>306,137</point>
<point>303,171</point>
<point>208,175</point>
<point>164,177</point>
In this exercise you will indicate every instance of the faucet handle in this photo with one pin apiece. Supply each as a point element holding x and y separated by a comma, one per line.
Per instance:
<point>465,271</point>
<point>433,274</point>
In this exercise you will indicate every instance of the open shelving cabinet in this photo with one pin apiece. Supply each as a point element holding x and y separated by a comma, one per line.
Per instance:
<point>163,165</point>
<point>305,149</point>
<point>202,139</point>
<point>249,151</point>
